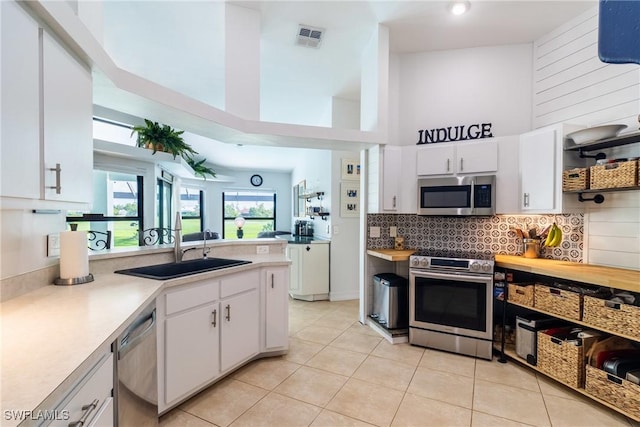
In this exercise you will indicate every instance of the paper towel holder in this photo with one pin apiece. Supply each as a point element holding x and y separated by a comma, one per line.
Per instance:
<point>74,280</point>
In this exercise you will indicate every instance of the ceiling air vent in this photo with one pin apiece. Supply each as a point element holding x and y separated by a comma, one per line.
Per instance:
<point>309,36</point>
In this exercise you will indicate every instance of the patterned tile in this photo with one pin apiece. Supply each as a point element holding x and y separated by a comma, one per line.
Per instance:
<point>478,234</point>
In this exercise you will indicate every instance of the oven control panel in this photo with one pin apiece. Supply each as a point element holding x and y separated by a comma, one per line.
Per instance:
<point>423,262</point>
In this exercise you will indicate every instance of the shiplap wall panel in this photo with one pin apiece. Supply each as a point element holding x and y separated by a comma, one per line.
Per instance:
<point>594,77</point>
<point>572,85</point>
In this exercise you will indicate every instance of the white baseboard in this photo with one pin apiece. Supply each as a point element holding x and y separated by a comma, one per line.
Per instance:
<point>333,296</point>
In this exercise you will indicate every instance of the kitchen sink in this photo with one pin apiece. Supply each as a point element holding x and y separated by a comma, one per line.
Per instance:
<point>173,270</point>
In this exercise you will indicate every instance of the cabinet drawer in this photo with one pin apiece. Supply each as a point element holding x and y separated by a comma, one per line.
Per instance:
<point>89,397</point>
<point>239,283</point>
<point>193,296</point>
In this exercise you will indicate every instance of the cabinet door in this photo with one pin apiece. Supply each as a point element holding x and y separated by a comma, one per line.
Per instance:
<point>240,332</point>
<point>538,171</point>
<point>391,164</point>
<point>276,308</point>
<point>435,160</point>
<point>474,157</point>
<point>315,269</point>
<point>293,252</point>
<point>191,350</point>
<point>20,149</point>
<point>68,127</point>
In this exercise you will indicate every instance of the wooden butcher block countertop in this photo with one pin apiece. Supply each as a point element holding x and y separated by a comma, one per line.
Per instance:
<point>392,254</point>
<point>612,277</point>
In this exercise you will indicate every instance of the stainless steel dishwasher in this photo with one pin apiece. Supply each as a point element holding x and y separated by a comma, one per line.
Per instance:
<point>136,391</point>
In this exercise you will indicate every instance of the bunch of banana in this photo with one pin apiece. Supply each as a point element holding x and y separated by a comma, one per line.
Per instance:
<point>554,237</point>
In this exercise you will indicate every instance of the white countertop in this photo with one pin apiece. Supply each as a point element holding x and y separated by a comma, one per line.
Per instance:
<point>52,335</point>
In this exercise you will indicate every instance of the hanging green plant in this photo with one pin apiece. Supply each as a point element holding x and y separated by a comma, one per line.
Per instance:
<point>199,168</point>
<point>157,137</point>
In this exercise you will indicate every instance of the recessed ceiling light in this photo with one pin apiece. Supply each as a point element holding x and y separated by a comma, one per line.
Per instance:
<point>459,7</point>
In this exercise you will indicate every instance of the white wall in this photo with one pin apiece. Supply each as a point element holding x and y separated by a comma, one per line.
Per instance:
<point>572,85</point>
<point>463,87</point>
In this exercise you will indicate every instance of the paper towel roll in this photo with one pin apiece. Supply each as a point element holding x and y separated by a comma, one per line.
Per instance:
<point>74,254</point>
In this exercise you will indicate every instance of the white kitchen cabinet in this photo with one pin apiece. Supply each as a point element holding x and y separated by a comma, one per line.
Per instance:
<point>20,155</point>
<point>46,116</point>
<point>68,125</point>
<point>542,161</point>
<point>205,329</point>
<point>391,166</point>
<point>309,280</point>
<point>457,158</point>
<point>91,399</point>
<point>190,332</point>
<point>240,331</point>
<point>276,321</point>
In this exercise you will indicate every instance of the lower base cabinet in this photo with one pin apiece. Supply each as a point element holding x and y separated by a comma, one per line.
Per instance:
<point>309,279</point>
<point>90,401</point>
<point>208,328</point>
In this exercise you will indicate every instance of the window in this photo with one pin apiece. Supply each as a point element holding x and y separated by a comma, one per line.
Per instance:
<point>258,208</point>
<point>163,203</point>
<point>191,207</point>
<point>117,207</point>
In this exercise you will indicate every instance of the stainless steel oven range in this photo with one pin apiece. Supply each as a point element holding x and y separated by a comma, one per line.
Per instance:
<point>451,302</point>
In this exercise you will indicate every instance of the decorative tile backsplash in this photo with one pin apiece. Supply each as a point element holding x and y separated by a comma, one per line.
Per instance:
<point>477,234</point>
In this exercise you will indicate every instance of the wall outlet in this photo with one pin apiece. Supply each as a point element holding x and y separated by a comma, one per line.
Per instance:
<point>262,249</point>
<point>374,231</point>
<point>336,229</point>
<point>393,231</point>
<point>53,244</point>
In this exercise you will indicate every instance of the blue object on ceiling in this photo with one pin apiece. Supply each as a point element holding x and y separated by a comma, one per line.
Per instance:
<point>619,31</point>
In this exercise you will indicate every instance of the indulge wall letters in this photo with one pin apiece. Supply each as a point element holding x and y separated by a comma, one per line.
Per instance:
<point>454,133</point>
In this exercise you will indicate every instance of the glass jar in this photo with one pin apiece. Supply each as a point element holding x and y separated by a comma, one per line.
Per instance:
<point>530,248</point>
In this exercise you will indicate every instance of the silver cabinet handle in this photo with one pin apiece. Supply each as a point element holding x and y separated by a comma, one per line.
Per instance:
<point>525,200</point>
<point>215,315</point>
<point>461,164</point>
<point>228,312</point>
<point>57,170</point>
<point>394,201</point>
<point>85,415</point>
<point>272,280</point>
<point>448,163</point>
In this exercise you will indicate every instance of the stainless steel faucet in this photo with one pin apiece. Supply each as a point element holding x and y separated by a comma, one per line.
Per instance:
<point>205,249</point>
<point>177,239</point>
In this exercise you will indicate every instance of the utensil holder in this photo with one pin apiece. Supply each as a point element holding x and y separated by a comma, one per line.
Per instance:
<point>530,248</point>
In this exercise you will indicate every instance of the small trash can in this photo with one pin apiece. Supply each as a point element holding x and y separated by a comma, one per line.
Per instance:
<point>390,300</point>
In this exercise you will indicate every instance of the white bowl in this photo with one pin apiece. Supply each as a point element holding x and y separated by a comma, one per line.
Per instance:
<point>595,133</point>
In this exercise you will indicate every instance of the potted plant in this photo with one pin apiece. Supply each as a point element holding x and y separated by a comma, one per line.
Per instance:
<point>199,167</point>
<point>162,138</point>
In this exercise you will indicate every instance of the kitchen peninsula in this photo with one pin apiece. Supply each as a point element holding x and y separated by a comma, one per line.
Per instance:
<point>52,336</point>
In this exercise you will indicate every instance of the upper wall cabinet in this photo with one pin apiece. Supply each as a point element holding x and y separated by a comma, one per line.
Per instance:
<point>542,161</point>
<point>47,151</point>
<point>457,158</point>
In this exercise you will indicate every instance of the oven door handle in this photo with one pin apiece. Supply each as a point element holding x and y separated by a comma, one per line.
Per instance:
<point>452,276</point>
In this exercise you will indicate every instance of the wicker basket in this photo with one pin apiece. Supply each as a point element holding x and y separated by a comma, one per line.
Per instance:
<point>575,179</point>
<point>521,293</point>
<point>614,317</point>
<point>619,392</point>
<point>562,360</point>
<point>614,175</point>
<point>558,301</point>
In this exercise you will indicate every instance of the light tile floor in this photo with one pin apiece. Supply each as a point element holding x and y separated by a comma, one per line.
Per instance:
<point>341,373</point>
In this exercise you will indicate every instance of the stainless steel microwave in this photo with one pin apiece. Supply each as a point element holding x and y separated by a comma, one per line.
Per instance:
<point>459,195</point>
